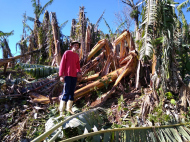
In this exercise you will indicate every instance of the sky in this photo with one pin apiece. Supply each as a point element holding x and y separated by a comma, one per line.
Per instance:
<point>11,14</point>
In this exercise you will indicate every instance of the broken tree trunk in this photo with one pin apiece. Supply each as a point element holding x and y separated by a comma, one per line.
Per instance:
<point>122,50</point>
<point>97,47</point>
<point>184,97</point>
<point>127,36</point>
<point>108,78</point>
<point>88,39</point>
<point>128,68</point>
<point>86,68</point>
<point>56,38</point>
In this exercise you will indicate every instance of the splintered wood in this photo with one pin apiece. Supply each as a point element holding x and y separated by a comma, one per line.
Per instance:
<point>111,65</point>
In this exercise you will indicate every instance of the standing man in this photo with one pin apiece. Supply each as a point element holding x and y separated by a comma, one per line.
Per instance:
<point>69,67</point>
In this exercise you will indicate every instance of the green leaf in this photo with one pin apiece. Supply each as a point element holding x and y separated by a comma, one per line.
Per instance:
<point>169,95</point>
<point>173,102</point>
<point>6,34</point>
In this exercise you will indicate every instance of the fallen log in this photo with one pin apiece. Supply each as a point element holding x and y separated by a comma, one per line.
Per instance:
<point>3,61</point>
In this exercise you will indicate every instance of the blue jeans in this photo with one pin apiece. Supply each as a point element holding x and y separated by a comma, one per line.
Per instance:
<point>69,88</point>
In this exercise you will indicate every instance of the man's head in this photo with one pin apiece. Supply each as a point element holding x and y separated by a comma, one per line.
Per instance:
<point>75,45</point>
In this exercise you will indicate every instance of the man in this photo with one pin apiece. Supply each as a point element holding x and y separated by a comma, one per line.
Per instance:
<point>68,70</point>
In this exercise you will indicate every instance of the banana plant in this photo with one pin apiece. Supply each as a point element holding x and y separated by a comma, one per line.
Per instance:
<point>43,36</point>
<point>154,29</point>
<point>163,43</point>
<point>150,19</point>
<point>38,9</point>
<point>5,47</point>
<point>4,44</point>
<point>37,38</point>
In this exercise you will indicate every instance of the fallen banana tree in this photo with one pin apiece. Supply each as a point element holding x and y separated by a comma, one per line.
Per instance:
<point>116,76</point>
<point>5,61</point>
<point>109,66</point>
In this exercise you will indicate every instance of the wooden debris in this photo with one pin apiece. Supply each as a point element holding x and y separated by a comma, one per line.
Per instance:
<point>126,67</point>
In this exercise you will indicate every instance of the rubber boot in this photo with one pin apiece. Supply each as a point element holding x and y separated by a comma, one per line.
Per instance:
<point>69,106</point>
<point>62,106</point>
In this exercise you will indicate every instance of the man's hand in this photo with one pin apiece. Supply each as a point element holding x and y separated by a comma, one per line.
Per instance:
<point>62,79</point>
<point>79,76</point>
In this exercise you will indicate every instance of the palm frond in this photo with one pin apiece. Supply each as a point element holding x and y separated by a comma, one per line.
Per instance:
<point>121,25</point>
<point>96,25</point>
<point>181,14</point>
<point>128,3</point>
<point>2,34</point>
<point>150,18</point>
<point>30,18</point>
<point>139,3</point>
<point>183,5</point>
<point>63,25</point>
<point>110,31</point>
<point>36,7</point>
<point>44,7</point>
<point>27,26</point>
<point>33,3</point>
<point>170,133</point>
<point>188,9</point>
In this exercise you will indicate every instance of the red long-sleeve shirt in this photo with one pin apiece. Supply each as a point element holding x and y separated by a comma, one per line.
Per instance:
<point>69,65</point>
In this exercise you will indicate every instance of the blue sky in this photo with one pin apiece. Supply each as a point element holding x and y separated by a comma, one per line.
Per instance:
<point>11,14</point>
